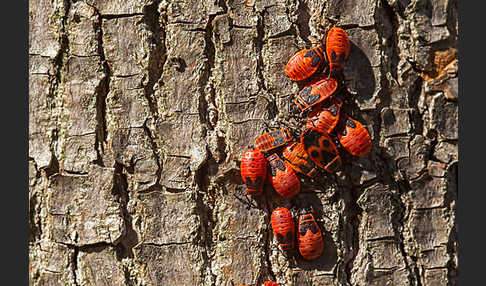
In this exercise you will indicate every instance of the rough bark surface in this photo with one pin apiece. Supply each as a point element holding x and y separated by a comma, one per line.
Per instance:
<point>141,110</point>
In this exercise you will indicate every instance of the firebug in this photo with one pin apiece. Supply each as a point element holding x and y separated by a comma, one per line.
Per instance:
<point>326,116</point>
<point>273,139</point>
<point>315,92</point>
<point>283,228</point>
<point>253,171</point>
<point>305,63</point>
<point>337,48</point>
<point>296,155</point>
<point>321,149</point>
<point>353,136</point>
<point>309,236</point>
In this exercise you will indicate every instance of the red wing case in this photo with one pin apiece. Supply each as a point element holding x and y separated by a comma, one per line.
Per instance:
<point>354,137</point>
<point>298,159</point>
<point>253,171</point>
<point>283,228</point>
<point>273,139</point>
<point>305,63</point>
<point>309,237</point>
<point>315,92</point>
<point>321,149</point>
<point>283,177</point>
<point>326,117</point>
<point>270,283</point>
<point>337,48</point>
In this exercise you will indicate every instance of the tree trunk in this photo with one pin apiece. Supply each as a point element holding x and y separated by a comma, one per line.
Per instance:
<point>140,112</point>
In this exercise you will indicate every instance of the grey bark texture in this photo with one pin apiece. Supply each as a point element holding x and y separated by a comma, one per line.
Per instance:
<point>141,110</point>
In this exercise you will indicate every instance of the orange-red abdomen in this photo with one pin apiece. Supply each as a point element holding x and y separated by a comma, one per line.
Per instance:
<point>271,140</point>
<point>315,92</point>
<point>283,177</point>
<point>305,63</point>
<point>283,228</point>
<point>298,159</point>
<point>253,171</point>
<point>321,149</point>
<point>270,283</point>
<point>337,48</point>
<point>309,237</point>
<point>326,116</point>
<point>353,136</point>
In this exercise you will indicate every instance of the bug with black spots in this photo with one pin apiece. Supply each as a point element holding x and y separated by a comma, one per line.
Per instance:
<point>273,139</point>
<point>305,63</point>
<point>337,49</point>
<point>266,283</point>
<point>283,228</point>
<point>295,154</point>
<point>283,177</point>
<point>326,116</point>
<point>309,235</point>
<point>353,136</point>
<point>321,149</point>
<point>315,92</point>
<point>253,171</point>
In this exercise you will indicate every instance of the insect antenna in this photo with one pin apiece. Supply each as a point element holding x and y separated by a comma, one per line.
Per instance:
<point>246,201</point>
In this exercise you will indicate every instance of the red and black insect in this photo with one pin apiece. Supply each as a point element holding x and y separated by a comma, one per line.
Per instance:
<point>253,171</point>
<point>305,63</point>
<point>298,159</point>
<point>337,49</point>
<point>315,92</point>
<point>283,177</point>
<point>309,236</point>
<point>326,116</point>
<point>321,149</point>
<point>353,136</point>
<point>266,283</point>
<point>271,140</point>
<point>283,228</point>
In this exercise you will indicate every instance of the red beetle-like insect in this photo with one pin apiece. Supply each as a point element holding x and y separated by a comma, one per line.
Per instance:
<point>298,159</point>
<point>283,228</point>
<point>271,140</point>
<point>283,177</point>
<point>337,48</point>
<point>326,116</point>
<point>309,236</point>
<point>266,283</point>
<point>321,149</point>
<point>253,171</point>
<point>305,63</point>
<point>353,136</point>
<point>315,92</point>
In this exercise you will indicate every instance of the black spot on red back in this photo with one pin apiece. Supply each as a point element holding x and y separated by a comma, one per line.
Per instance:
<point>254,184</point>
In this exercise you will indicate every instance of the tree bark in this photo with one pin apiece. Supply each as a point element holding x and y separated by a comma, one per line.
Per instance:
<point>141,110</point>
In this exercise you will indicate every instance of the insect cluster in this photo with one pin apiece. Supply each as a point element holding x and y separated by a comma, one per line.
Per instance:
<point>328,131</point>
